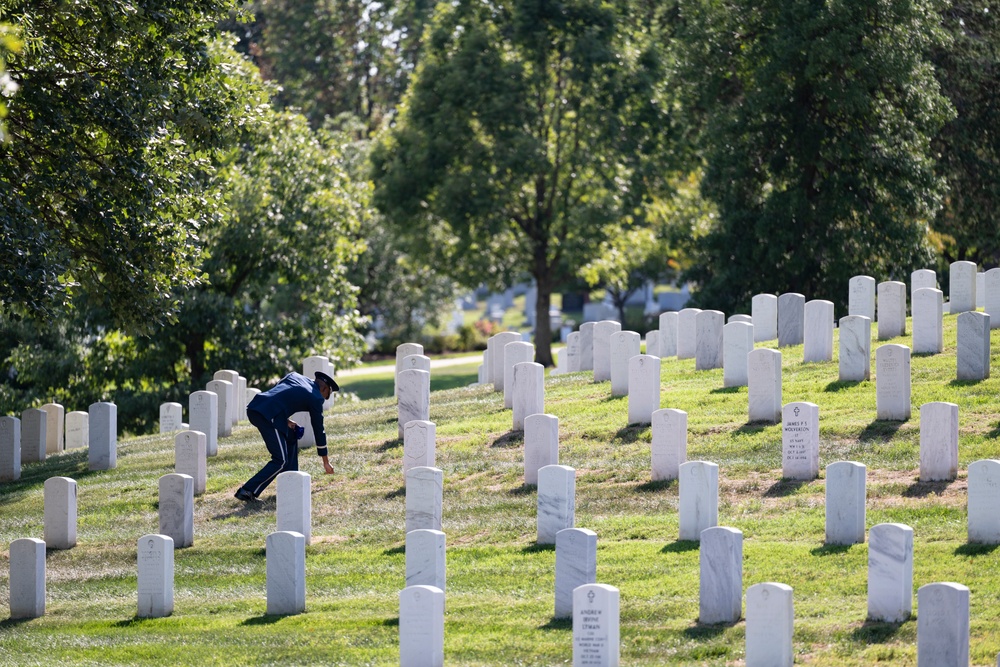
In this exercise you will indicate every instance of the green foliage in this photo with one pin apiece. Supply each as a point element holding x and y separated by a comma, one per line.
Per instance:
<point>530,134</point>
<point>817,126</point>
<point>10,43</point>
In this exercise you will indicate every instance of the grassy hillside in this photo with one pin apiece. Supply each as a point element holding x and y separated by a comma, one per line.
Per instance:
<point>500,584</point>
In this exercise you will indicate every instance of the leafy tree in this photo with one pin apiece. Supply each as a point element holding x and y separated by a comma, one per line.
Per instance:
<point>10,43</point>
<point>102,190</point>
<point>531,132</point>
<point>818,121</point>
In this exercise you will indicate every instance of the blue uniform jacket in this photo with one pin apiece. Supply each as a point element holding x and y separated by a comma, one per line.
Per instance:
<point>294,393</point>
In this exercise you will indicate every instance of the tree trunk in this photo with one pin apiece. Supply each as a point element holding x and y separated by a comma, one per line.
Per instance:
<point>543,325</point>
<point>194,348</point>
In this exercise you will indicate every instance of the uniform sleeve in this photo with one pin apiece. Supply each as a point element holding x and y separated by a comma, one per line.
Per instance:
<point>316,416</point>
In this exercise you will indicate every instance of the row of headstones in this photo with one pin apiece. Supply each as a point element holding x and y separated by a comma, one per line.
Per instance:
<point>31,444</point>
<point>968,289</point>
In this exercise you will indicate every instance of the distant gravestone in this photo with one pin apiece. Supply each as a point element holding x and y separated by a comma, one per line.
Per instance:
<point>980,290</point>
<point>698,503</point>
<point>556,502</point>
<point>928,332</point>
<point>587,346</point>
<point>286,573</point>
<point>720,590</point>
<point>60,513</point>
<point>669,443</point>
<point>687,333</point>
<point>845,502</point>
<point>176,511</point>
<point>541,444</point>
<point>596,626</point>
<point>643,388</point>
<point>791,319</point>
<point>747,319</point>
<point>984,502</point>
<point>764,312</point>
<point>103,454</point>
<point>818,337</point>
<point>203,412</point>
<point>402,352</point>
<point>576,565</point>
<point>668,335</point>
<point>241,399</point>
<point>425,558</point>
<point>938,441</point>
<point>54,424</point>
<point>171,417</point>
<point>973,346</point>
<point>603,331</point>
<point>764,385</point>
<point>33,435</point>
<point>861,297</point>
<point>421,627</point>
<point>922,278</point>
<point>419,444</point>
<point>624,346</point>
<point>10,449</point>
<point>27,578</point>
<point>424,490</point>
<point>221,389</point>
<point>499,364</point>
<point>892,382</point>
<point>890,572</point>
<point>961,287</point>
<point>943,625</point>
<point>737,343</point>
<point>855,348</point>
<point>652,342</point>
<point>294,510</point>
<point>190,458</point>
<point>77,430</point>
<point>769,625</point>
<point>573,352</point>
<point>155,561</point>
<point>800,441</point>
<point>891,309</point>
<point>413,397</point>
<point>514,353</point>
<point>991,297</point>
<point>708,346</point>
<point>232,410</point>
<point>529,392</point>
<point>318,363</point>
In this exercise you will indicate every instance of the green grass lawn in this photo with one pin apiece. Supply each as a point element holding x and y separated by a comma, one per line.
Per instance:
<point>500,591</point>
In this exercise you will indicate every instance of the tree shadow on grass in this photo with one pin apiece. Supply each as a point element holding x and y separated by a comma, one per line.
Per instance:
<point>557,624</point>
<point>973,549</point>
<point>842,385</point>
<point>875,632</point>
<point>923,489</point>
<point>512,439</point>
<point>630,434</point>
<point>263,619</point>
<point>831,549</point>
<point>389,445</point>
<point>398,493</point>
<point>655,486</point>
<point>879,429</point>
<point>681,546</point>
<point>523,490</point>
<point>73,464</point>
<point>726,390</point>
<point>784,487</point>
<point>701,631</point>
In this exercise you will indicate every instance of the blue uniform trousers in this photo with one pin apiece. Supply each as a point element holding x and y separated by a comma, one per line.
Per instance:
<point>284,451</point>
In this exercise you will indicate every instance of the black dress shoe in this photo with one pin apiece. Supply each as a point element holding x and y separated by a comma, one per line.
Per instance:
<point>244,495</point>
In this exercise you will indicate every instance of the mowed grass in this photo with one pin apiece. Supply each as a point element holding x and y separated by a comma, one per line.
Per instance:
<point>500,590</point>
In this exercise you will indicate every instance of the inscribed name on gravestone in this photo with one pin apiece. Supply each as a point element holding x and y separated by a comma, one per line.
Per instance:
<point>596,626</point>
<point>800,441</point>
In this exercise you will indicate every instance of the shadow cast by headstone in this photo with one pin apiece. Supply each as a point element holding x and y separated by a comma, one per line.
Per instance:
<point>537,548</point>
<point>842,385</point>
<point>875,632</point>
<point>252,508</point>
<point>74,464</point>
<point>702,631</point>
<point>398,493</point>
<point>389,445</point>
<point>263,619</point>
<point>923,489</point>
<point>630,434</point>
<point>753,428</point>
<point>523,490</point>
<point>965,383</point>
<point>135,621</point>
<point>994,432</point>
<point>391,622</point>
<point>785,487</point>
<point>563,624</point>
<point>614,399</point>
<point>831,549</point>
<point>727,390</point>
<point>879,429</point>
<point>13,622</point>
<point>681,546</point>
<point>975,549</point>
<point>512,439</point>
<point>654,486</point>
<point>401,549</point>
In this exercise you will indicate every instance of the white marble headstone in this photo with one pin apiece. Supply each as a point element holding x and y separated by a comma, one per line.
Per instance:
<point>845,502</point>
<point>576,565</point>
<point>861,297</point>
<point>922,278</point>
<point>556,501</point>
<point>27,578</point>
<point>720,588</point>
<point>938,441</point>
<point>624,346</point>
<point>155,560</point>
<point>892,382</point>
<point>176,511</point>
<point>286,573</point>
<point>233,378</point>
<point>928,329</point>
<point>698,503</point>
<point>890,572</point>
<point>421,627</point>
<point>687,333</point>
<point>413,395</point>
<point>764,385</point>
<point>60,513</point>
<point>203,413</point>
<point>737,342</point>
<point>595,626</point>
<point>294,508</point>
<point>425,558</point>
<point>33,434</point>
<point>103,453</point>
<point>514,353</point>
<point>222,390</point>
<point>190,458</point>
<point>77,430</point>
<point>171,417</point>
<point>10,449</point>
<point>499,364</point>
<point>603,331</point>
<point>541,444</point>
<point>529,392</point>
<point>942,625</point>
<point>855,348</point>
<point>800,441</point>
<point>424,490</point>
<point>573,352</point>
<point>419,444</point>
<point>961,287</point>
<point>669,443</point>
<point>991,298</point>
<point>318,363</point>
<point>764,311</point>
<point>791,319</point>
<point>652,343</point>
<point>891,309</point>
<point>708,333</point>
<point>818,337</point>
<point>403,351</point>
<point>769,625</point>
<point>587,346</point>
<point>973,346</point>
<point>984,502</point>
<point>643,388</point>
<point>54,424</point>
<point>668,335</point>
<point>746,319</point>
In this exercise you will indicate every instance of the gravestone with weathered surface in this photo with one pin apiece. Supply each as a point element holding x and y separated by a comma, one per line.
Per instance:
<point>980,289</point>
<point>424,491</point>
<point>60,513</point>
<point>176,508</point>
<point>421,627</point>
<point>419,444</point>
<point>922,278</point>
<point>737,343</point>
<point>687,333</point>
<point>769,625</point>
<point>556,502</point>
<point>892,382</point>
<point>155,564</point>
<point>500,342</point>
<point>241,399</point>
<point>764,311</point>
<point>855,361</point>
<point>596,640</point>
<point>891,309</point>
<point>587,346</point>
<point>603,331</point>
<point>652,342</point>
<point>413,397</point>
<point>576,565</point>
<point>800,441</point>
<point>406,349</point>
<point>103,453</point>
<point>529,392</point>
<point>33,433</point>
<point>845,502</point>
<point>708,332</point>
<point>961,287</point>
<point>294,510</point>
<point>720,588</point>
<point>203,413</point>
<point>643,388</point>
<point>624,346</point>
<point>938,441</point>
<point>698,502</point>
<point>991,297</point>
<point>928,330</point>
<point>791,319</point>
<point>541,444</point>
<point>286,573</point>
<point>668,335</point>
<point>425,558</point>
<point>739,317</point>
<point>818,336</point>
<point>27,578</point>
<point>861,297</point>
<point>54,424</point>
<point>764,385</point>
<point>171,417</point>
<point>77,430</point>
<point>514,353</point>
<point>973,354</point>
<point>669,443</point>
<point>232,409</point>
<point>10,449</point>
<point>943,625</point>
<point>190,458</point>
<point>573,352</point>
<point>221,389</point>
<point>890,572</point>
<point>984,502</point>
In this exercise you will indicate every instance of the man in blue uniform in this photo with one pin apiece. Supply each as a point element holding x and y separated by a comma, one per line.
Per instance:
<point>270,412</point>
